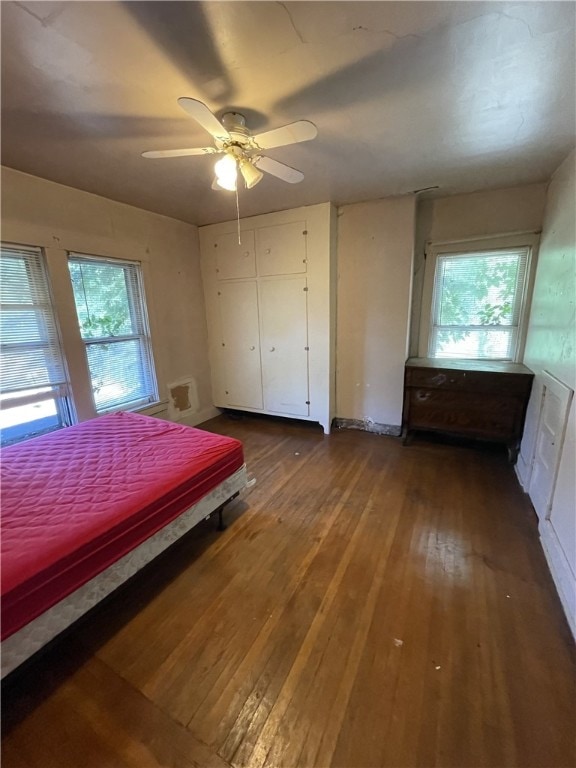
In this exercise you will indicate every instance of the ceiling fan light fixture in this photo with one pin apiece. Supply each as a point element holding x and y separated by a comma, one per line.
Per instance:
<point>239,145</point>
<point>226,171</point>
<point>250,173</point>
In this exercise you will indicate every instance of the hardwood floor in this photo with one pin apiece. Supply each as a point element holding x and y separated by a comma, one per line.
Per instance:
<point>369,605</point>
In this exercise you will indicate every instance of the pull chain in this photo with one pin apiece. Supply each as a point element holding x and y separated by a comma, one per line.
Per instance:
<point>238,213</point>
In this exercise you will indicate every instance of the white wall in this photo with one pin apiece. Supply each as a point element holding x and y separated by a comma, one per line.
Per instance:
<point>378,241</point>
<point>494,212</point>
<point>551,346</point>
<point>60,219</point>
<point>375,250</point>
<point>476,215</point>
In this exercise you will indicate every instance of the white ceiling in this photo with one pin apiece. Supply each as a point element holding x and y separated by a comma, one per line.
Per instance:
<point>405,95</point>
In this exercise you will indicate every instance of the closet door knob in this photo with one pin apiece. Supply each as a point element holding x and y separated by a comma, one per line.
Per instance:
<point>272,349</point>
<point>252,348</point>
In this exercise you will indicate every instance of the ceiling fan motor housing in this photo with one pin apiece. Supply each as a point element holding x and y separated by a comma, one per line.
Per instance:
<point>235,124</point>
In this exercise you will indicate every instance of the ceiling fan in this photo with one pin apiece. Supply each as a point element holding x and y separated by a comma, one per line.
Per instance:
<point>240,149</point>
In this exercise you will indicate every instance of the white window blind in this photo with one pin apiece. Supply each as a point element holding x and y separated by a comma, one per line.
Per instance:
<point>477,304</point>
<point>113,323</point>
<point>33,385</point>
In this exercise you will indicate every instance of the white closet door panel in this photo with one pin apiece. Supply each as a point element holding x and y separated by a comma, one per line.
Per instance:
<point>241,343</point>
<point>283,313</point>
<point>554,409</point>
<point>281,249</point>
<point>233,260</point>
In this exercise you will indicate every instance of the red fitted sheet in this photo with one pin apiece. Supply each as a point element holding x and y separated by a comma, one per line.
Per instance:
<point>75,501</point>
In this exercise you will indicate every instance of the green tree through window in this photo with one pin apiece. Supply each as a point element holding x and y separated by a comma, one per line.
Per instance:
<point>476,305</point>
<point>109,304</point>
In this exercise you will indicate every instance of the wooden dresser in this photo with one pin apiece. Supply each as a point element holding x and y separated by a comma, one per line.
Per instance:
<point>480,399</point>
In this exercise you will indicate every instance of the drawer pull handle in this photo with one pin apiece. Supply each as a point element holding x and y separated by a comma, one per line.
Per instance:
<point>439,379</point>
<point>422,395</point>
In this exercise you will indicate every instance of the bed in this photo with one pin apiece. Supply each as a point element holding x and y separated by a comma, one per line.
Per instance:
<point>84,508</point>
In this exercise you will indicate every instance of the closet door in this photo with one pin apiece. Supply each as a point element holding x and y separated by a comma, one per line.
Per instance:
<point>281,249</point>
<point>554,410</point>
<point>232,259</point>
<point>238,302</point>
<point>284,334</point>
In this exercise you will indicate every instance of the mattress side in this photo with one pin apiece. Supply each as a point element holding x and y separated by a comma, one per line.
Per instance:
<point>92,491</point>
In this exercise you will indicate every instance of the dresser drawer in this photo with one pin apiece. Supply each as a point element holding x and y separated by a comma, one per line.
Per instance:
<point>491,416</point>
<point>473,381</point>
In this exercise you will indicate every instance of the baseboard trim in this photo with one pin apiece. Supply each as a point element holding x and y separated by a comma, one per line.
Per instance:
<point>561,572</point>
<point>367,425</point>
<point>161,411</point>
<point>194,419</point>
<point>522,471</point>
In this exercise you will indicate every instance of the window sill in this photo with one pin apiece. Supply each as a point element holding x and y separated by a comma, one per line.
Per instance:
<point>152,409</point>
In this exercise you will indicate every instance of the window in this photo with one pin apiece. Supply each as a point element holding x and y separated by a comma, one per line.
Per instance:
<point>33,384</point>
<point>477,303</point>
<point>111,313</point>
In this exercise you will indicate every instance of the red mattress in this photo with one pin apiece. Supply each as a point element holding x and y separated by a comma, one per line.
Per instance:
<point>75,501</point>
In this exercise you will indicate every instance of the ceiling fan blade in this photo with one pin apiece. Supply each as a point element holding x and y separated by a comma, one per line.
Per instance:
<point>282,171</point>
<point>180,152</point>
<point>301,130</point>
<point>200,112</point>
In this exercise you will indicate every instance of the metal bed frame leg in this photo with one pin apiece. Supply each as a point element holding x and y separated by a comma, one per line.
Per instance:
<point>221,525</point>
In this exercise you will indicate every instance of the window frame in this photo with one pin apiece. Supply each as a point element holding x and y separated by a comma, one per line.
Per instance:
<point>59,392</point>
<point>530,241</point>
<point>144,337</point>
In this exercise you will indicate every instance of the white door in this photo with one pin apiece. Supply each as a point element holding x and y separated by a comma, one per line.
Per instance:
<point>281,249</point>
<point>284,324</point>
<point>234,259</point>
<point>554,408</point>
<point>242,372</point>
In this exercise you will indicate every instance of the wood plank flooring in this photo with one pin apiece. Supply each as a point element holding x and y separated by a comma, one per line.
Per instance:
<point>369,605</point>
